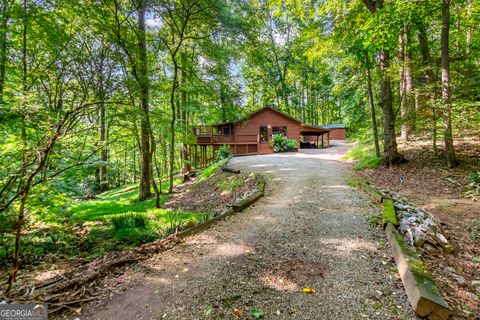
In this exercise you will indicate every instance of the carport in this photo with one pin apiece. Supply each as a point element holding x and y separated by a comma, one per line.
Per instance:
<point>313,135</point>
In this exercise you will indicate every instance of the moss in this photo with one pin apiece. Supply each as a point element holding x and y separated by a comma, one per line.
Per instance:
<point>389,215</point>
<point>423,279</point>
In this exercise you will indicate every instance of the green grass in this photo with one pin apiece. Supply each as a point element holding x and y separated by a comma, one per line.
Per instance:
<point>232,183</point>
<point>114,221</point>
<point>117,220</point>
<point>364,157</point>
<point>205,173</point>
<point>116,201</point>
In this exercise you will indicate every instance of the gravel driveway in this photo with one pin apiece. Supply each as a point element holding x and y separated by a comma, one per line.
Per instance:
<point>310,230</point>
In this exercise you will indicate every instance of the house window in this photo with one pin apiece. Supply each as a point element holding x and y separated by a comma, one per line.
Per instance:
<point>226,130</point>
<point>279,131</point>
<point>263,134</point>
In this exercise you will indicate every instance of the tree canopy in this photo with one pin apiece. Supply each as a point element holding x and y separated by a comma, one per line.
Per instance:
<point>100,94</point>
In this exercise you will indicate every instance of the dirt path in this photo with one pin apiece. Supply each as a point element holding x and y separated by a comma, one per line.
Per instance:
<point>311,230</point>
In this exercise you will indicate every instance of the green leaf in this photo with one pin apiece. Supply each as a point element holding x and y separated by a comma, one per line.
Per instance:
<point>476,259</point>
<point>257,314</point>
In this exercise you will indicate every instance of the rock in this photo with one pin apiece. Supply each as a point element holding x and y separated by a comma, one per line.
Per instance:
<point>476,283</point>
<point>429,222</point>
<point>407,235</point>
<point>412,219</point>
<point>403,206</point>
<point>419,236</point>
<point>451,270</point>
<point>443,242</point>
<point>420,214</point>
<point>460,280</point>
<point>429,249</point>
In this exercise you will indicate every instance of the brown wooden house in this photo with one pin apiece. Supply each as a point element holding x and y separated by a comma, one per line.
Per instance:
<point>254,134</point>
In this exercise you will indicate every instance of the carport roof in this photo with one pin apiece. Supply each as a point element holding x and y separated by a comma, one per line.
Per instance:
<point>312,131</point>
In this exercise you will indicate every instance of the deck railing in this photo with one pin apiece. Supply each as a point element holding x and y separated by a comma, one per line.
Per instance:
<point>227,138</point>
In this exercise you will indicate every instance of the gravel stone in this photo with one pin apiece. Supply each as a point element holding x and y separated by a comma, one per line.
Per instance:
<point>310,230</point>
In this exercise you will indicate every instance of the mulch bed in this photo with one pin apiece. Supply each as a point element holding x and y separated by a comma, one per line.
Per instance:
<point>207,195</point>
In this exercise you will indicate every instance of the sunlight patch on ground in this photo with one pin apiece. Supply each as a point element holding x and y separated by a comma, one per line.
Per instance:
<point>280,283</point>
<point>49,274</point>
<point>346,247</point>
<point>230,250</point>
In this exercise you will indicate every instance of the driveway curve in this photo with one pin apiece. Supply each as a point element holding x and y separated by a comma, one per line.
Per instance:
<point>311,230</point>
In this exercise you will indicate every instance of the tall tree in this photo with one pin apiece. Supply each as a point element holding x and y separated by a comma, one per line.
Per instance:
<point>372,105</point>
<point>131,36</point>
<point>390,152</point>
<point>446,90</point>
<point>5,8</point>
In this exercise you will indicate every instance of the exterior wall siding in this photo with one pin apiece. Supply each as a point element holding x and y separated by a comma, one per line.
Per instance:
<point>338,134</point>
<point>270,119</point>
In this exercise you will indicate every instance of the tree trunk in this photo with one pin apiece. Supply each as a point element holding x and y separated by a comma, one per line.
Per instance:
<point>446,91</point>
<point>18,234</point>
<point>184,147</point>
<point>102,127</point>
<point>469,31</point>
<point>408,106</point>
<point>145,128</point>
<point>431,81</point>
<point>5,16</point>
<point>172,124</point>
<point>23,112</point>
<point>103,150</point>
<point>390,152</point>
<point>372,105</point>
<point>402,85</point>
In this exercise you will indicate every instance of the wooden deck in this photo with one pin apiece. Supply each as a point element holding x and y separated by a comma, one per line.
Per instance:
<point>221,139</point>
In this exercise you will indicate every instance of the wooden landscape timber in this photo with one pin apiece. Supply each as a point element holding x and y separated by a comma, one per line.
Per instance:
<point>422,292</point>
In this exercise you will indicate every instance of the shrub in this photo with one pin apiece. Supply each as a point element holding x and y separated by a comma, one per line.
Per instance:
<point>473,189</point>
<point>283,144</point>
<point>129,220</point>
<point>224,152</point>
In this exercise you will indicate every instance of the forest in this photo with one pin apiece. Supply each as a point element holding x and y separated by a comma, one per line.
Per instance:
<point>98,100</point>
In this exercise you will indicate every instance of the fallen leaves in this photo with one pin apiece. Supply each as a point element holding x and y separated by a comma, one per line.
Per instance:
<point>308,290</point>
<point>238,312</point>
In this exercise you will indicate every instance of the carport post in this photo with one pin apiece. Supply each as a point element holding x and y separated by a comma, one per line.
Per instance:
<point>322,140</point>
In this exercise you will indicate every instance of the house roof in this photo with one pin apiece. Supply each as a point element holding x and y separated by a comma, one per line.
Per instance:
<point>305,129</point>
<point>255,112</point>
<point>331,126</point>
